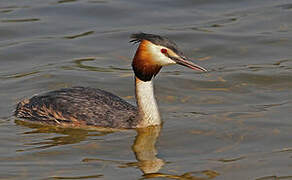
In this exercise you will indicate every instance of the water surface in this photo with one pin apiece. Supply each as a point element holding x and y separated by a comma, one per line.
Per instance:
<point>233,122</point>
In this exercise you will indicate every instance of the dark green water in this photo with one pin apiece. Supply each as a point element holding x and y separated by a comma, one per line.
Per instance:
<point>233,122</point>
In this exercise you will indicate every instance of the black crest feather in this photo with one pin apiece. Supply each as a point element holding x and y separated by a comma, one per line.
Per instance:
<point>155,39</point>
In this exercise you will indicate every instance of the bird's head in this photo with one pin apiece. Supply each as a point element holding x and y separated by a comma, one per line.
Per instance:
<point>155,51</point>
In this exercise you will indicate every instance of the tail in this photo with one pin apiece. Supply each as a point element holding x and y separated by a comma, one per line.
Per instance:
<point>22,110</point>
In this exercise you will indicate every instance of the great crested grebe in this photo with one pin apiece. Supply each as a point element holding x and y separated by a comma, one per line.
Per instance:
<point>84,106</point>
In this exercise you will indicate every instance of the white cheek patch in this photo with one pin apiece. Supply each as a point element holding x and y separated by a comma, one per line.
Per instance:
<point>159,57</point>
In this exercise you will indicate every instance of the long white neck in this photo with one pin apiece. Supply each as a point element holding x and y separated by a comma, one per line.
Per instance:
<point>147,106</point>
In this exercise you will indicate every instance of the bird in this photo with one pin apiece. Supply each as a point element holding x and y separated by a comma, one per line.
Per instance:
<point>93,108</point>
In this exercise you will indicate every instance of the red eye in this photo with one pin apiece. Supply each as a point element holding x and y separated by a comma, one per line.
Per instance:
<point>164,51</point>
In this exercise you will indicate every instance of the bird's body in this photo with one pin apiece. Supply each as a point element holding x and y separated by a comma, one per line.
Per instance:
<point>84,106</point>
<point>79,106</point>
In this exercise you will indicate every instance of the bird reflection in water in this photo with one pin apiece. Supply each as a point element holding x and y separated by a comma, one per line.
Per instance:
<point>143,147</point>
<point>145,150</point>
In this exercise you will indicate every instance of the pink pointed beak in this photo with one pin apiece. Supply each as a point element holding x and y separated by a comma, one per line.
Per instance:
<point>184,61</point>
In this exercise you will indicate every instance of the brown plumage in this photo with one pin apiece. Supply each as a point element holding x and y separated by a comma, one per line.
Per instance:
<point>80,106</point>
<point>143,65</point>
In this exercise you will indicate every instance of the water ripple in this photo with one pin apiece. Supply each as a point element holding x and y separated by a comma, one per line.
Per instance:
<point>79,35</point>
<point>20,20</point>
